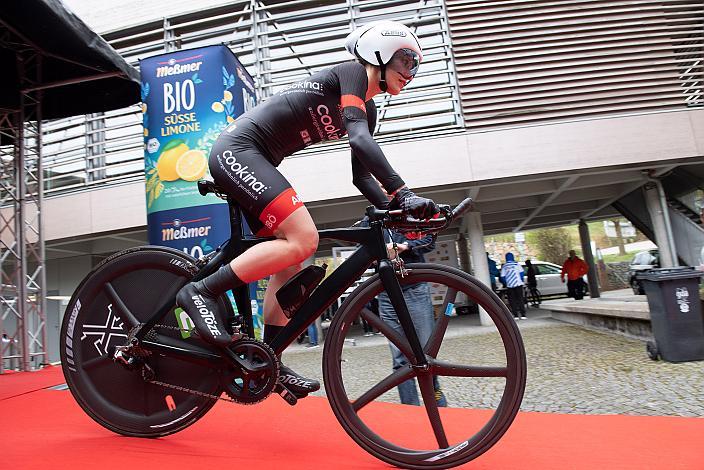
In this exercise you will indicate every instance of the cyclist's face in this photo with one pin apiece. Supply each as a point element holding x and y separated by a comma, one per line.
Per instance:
<point>401,69</point>
<point>394,82</point>
<point>405,62</point>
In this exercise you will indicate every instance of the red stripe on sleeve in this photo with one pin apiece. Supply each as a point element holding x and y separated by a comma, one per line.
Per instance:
<point>354,101</point>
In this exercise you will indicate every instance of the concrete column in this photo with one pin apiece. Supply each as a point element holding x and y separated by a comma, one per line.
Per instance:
<point>585,239</point>
<point>478,255</point>
<point>668,223</point>
<point>657,211</point>
<point>463,253</point>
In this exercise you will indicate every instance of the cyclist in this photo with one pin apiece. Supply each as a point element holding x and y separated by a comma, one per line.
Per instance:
<point>325,106</point>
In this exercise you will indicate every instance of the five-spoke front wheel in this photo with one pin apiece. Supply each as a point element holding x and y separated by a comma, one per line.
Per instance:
<point>480,373</point>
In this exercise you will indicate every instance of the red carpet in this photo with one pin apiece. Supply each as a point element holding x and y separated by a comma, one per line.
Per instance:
<point>13,383</point>
<point>46,430</point>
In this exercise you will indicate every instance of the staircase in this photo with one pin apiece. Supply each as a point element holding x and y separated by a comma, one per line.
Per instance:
<point>687,227</point>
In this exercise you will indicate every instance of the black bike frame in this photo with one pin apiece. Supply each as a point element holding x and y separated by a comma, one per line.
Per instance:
<point>372,248</point>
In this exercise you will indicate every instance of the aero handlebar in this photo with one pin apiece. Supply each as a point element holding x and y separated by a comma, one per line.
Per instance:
<point>398,220</point>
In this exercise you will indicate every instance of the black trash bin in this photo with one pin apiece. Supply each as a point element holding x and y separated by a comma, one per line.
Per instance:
<point>675,313</point>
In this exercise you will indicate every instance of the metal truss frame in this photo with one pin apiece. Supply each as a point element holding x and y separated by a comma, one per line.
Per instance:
<point>22,272</point>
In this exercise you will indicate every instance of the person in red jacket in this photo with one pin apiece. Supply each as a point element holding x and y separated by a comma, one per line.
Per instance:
<point>574,268</point>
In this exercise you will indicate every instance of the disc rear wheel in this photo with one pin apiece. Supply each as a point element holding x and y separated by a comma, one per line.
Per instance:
<point>119,398</point>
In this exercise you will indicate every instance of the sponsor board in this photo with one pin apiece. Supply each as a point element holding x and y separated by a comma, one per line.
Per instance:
<point>188,98</point>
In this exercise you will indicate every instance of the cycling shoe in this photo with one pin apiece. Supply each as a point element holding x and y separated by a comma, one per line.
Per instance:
<point>204,312</point>
<point>297,384</point>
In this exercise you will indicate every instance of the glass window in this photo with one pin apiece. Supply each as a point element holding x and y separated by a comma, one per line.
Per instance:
<point>547,269</point>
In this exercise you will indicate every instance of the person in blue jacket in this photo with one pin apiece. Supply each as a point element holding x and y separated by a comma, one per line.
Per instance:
<point>512,277</point>
<point>493,271</point>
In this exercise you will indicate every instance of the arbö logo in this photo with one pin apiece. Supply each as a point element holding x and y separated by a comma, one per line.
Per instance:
<point>325,119</point>
<point>241,172</point>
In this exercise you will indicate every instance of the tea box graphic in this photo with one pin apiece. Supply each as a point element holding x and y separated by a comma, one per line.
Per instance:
<point>188,98</point>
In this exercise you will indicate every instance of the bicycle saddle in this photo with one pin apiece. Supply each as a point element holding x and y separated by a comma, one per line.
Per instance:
<point>206,187</point>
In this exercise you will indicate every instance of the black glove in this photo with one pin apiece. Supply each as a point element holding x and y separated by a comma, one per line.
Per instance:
<point>416,206</point>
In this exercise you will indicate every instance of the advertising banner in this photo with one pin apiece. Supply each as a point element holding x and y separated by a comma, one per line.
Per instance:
<point>189,97</point>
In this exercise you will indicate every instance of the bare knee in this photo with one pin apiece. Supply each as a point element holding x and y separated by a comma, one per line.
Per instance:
<point>304,244</point>
<point>301,235</point>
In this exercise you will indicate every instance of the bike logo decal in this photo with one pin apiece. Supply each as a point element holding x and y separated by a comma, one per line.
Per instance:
<point>185,324</point>
<point>170,403</point>
<point>112,328</point>
<point>450,452</point>
<point>69,335</point>
<point>180,418</point>
<point>449,308</point>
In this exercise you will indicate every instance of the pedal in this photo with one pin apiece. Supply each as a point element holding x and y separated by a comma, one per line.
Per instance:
<point>286,394</point>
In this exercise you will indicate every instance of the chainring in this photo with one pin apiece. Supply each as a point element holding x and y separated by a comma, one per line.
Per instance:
<point>255,387</point>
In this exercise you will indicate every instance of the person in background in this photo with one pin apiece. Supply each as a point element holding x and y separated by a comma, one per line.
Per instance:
<point>532,283</point>
<point>373,307</point>
<point>512,277</point>
<point>493,271</point>
<point>313,335</point>
<point>420,307</point>
<point>574,268</point>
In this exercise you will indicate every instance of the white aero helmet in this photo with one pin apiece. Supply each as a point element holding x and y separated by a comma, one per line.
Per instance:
<point>386,44</point>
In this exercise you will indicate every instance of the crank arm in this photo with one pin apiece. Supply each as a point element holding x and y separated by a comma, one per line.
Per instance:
<point>238,362</point>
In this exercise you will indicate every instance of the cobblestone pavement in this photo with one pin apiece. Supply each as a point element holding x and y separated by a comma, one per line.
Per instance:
<point>570,370</point>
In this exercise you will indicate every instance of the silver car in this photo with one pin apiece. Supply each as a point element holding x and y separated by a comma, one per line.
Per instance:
<point>547,275</point>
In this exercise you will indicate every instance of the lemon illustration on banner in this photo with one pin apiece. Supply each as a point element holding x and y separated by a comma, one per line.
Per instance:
<point>227,96</point>
<point>166,165</point>
<point>217,107</point>
<point>192,165</point>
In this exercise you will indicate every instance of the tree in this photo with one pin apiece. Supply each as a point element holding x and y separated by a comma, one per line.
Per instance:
<point>553,244</point>
<point>619,237</point>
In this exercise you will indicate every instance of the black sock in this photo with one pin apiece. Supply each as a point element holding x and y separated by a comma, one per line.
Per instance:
<point>219,282</point>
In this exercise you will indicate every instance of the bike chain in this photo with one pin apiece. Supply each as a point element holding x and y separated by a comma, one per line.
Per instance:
<point>150,335</point>
<point>178,387</point>
<point>190,391</point>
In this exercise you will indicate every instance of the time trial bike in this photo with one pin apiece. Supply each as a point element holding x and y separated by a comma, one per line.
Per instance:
<point>135,365</point>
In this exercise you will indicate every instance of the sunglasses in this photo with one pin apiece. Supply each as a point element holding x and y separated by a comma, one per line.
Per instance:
<point>405,62</point>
